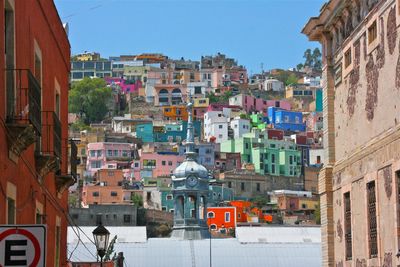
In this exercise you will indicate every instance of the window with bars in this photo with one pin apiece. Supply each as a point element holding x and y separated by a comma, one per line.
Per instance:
<point>398,204</point>
<point>347,226</point>
<point>372,225</point>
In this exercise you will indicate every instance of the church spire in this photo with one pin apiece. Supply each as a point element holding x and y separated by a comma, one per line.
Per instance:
<point>190,153</point>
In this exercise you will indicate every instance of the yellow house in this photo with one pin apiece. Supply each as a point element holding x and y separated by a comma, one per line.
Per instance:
<point>308,203</point>
<point>136,72</point>
<point>201,102</point>
<point>88,57</point>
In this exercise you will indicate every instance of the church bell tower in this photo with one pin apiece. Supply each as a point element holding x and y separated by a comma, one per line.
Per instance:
<point>190,189</point>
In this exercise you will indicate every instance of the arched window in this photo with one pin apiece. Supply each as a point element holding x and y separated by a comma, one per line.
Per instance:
<point>163,97</point>
<point>180,207</point>
<point>176,96</point>
<point>193,205</point>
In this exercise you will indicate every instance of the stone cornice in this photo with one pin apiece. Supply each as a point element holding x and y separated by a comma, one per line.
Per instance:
<point>380,141</point>
<point>332,12</point>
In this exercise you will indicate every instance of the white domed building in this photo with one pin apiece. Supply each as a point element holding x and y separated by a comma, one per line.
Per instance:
<point>190,189</point>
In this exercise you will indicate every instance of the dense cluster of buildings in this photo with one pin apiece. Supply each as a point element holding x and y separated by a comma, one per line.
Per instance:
<point>253,135</point>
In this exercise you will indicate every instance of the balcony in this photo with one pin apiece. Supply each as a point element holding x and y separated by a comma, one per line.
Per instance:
<point>51,133</point>
<point>119,158</point>
<point>63,181</point>
<point>48,154</point>
<point>73,159</point>
<point>23,117</point>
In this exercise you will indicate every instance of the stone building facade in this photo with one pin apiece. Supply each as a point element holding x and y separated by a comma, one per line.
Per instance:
<point>249,184</point>
<point>108,215</point>
<point>360,181</point>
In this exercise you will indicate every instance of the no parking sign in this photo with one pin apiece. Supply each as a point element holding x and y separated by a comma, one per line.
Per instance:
<point>23,245</point>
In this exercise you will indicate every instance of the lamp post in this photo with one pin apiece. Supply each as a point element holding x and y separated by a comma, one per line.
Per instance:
<point>210,215</point>
<point>101,236</point>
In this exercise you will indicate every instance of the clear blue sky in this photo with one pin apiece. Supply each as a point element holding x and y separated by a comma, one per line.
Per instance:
<point>252,31</point>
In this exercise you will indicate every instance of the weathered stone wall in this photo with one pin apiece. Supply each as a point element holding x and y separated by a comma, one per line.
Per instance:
<point>367,102</point>
<point>378,161</point>
<point>361,131</point>
<point>159,216</point>
<point>267,183</point>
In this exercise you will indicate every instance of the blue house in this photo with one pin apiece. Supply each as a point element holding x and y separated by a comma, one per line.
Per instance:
<point>205,154</point>
<point>169,133</point>
<point>176,132</point>
<point>286,120</point>
<point>145,132</point>
<point>318,100</point>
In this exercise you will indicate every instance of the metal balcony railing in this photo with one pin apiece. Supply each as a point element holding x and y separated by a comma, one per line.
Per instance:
<point>164,95</point>
<point>73,158</point>
<point>51,133</point>
<point>24,98</point>
<point>178,95</point>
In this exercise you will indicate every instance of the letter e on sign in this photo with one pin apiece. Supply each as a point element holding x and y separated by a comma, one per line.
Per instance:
<point>23,245</point>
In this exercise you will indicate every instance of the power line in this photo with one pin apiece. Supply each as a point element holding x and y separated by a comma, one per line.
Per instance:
<point>76,257</point>
<point>89,9</point>
<point>50,196</point>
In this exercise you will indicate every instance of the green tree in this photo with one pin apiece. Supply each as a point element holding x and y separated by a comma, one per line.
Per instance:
<point>316,56</point>
<point>110,249</point>
<point>79,126</point>
<point>245,116</point>
<point>308,56</point>
<point>282,76</point>
<point>212,97</point>
<point>137,200</point>
<point>299,66</point>
<point>90,98</point>
<point>291,79</point>
<point>225,97</point>
<point>260,201</point>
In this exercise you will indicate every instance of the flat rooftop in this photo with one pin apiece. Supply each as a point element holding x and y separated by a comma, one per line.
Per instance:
<point>253,246</point>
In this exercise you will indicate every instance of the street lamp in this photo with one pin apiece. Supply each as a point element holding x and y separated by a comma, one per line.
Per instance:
<point>210,216</point>
<point>101,236</point>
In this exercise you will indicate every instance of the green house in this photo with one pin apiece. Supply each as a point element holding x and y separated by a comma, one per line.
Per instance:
<point>273,157</point>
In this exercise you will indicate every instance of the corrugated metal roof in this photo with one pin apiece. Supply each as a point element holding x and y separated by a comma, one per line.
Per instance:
<point>278,234</point>
<point>135,234</point>
<point>225,252</point>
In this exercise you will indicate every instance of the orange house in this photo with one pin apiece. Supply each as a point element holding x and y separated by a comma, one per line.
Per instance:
<point>242,208</point>
<point>220,218</point>
<point>110,177</point>
<point>175,113</point>
<point>34,82</point>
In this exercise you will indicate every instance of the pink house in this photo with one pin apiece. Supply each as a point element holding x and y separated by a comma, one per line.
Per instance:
<point>216,80</point>
<point>109,156</point>
<point>123,85</point>
<point>220,107</point>
<point>237,74</point>
<point>225,76</point>
<point>252,104</point>
<point>198,112</point>
<point>161,163</point>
